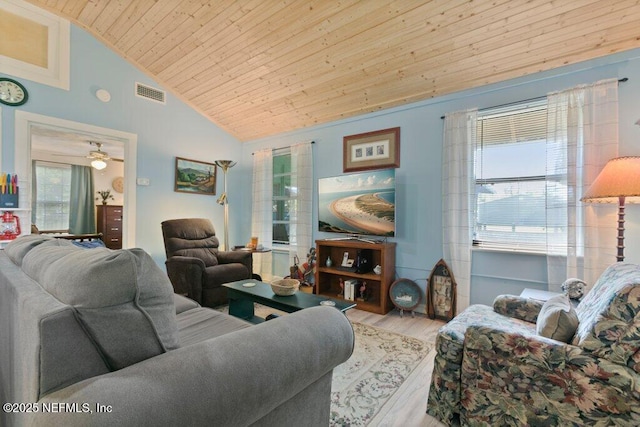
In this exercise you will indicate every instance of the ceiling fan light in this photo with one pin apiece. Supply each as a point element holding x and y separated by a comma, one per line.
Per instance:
<point>98,164</point>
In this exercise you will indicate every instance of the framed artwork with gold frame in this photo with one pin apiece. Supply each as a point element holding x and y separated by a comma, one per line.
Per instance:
<point>194,176</point>
<point>372,150</point>
<point>441,292</point>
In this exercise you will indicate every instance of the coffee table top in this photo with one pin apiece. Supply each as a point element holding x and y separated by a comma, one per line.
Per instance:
<point>261,293</point>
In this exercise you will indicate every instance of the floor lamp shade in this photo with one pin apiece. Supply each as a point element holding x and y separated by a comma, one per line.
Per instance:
<point>618,182</point>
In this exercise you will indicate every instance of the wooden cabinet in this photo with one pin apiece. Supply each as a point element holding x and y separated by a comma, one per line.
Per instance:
<point>327,279</point>
<point>109,221</point>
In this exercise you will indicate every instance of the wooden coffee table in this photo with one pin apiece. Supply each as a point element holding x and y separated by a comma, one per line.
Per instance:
<point>244,293</point>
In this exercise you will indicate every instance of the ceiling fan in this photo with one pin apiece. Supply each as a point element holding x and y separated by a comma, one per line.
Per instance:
<point>98,157</point>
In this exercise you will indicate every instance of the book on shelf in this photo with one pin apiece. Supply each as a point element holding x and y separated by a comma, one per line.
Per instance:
<point>350,289</point>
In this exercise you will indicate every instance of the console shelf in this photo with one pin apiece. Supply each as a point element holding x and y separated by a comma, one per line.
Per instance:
<point>327,279</point>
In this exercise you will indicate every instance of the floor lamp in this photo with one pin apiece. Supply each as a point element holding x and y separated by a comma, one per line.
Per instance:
<point>225,165</point>
<point>619,179</point>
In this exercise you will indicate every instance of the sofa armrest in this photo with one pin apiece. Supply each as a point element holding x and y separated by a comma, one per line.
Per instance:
<point>526,309</point>
<point>232,380</point>
<point>512,379</point>
<point>185,274</point>
<point>242,257</point>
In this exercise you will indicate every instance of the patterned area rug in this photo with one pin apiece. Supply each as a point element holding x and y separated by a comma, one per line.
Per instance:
<point>364,386</point>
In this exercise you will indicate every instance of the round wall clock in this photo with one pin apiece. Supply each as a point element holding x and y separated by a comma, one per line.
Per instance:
<point>118,184</point>
<point>405,295</point>
<point>12,93</point>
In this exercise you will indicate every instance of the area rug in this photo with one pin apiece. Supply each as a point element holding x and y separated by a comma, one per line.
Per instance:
<point>366,386</point>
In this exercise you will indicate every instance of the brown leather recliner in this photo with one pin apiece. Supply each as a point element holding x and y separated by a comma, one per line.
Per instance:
<point>196,268</point>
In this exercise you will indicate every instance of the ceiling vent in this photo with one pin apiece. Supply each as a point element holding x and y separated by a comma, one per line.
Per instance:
<point>151,93</point>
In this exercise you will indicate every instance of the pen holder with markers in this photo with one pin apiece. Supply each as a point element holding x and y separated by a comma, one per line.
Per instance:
<point>9,200</point>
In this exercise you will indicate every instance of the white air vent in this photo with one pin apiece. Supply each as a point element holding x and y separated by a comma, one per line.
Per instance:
<point>151,93</point>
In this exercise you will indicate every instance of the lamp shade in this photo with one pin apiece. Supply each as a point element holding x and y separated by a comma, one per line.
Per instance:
<point>620,177</point>
<point>98,164</point>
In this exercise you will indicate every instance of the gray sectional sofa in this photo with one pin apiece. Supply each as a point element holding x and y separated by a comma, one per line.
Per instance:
<point>97,337</point>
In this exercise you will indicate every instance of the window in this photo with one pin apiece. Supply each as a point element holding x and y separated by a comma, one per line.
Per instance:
<point>510,176</point>
<point>283,198</point>
<point>53,194</point>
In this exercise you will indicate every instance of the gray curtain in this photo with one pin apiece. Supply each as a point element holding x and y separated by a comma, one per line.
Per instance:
<point>82,211</point>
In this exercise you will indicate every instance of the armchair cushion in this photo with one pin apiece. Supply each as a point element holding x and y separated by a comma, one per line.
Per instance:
<point>610,316</point>
<point>192,237</point>
<point>207,252</point>
<point>557,319</point>
<point>215,276</point>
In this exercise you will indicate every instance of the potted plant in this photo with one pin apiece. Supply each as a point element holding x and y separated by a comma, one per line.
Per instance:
<point>105,195</point>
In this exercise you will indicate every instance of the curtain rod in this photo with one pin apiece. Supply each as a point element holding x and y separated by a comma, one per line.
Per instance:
<point>284,148</point>
<point>622,80</point>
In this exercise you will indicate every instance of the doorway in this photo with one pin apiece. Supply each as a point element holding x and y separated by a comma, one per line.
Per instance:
<point>51,137</point>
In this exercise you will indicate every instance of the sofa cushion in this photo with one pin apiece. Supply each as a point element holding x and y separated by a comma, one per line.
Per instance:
<point>200,324</point>
<point>557,319</point>
<point>183,303</point>
<point>123,299</point>
<point>17,249</point>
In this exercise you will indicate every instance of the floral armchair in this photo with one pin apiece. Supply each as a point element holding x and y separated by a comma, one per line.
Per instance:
<point>492,368</point>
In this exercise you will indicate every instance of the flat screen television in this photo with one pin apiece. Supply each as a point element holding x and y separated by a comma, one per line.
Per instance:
<point>359,204</point>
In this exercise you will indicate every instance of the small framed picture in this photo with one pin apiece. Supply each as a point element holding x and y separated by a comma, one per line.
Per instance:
<point>194,176</point>
<point>372,150</point>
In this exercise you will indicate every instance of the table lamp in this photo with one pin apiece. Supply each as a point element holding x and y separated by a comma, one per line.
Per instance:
<point>618,180</point>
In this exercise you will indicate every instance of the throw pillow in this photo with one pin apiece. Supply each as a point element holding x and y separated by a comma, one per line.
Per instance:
<point>557,319</point>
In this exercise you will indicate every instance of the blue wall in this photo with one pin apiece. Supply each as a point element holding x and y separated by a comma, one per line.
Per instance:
<point>164,132</point>
<point>418,197</point>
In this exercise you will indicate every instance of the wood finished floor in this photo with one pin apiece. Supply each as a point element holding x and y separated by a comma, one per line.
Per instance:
<point>410,407</point>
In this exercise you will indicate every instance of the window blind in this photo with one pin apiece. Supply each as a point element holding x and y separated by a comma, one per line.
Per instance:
<point>510,173</point>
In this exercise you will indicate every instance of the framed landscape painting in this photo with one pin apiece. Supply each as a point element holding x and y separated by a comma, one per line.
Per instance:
<point>193,176</point>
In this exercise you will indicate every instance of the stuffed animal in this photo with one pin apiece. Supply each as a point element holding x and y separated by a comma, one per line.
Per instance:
<point>574,288</point>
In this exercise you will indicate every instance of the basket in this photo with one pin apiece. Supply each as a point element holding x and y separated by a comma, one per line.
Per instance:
<point>285,287</point>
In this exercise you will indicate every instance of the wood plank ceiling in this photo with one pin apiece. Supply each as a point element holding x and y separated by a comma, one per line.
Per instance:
<point>262,67</point>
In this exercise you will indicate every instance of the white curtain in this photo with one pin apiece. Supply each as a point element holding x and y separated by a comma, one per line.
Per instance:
<point>582,135</point>
<point>458,186</point>
<point>262,211</point>
<point>300,231</point>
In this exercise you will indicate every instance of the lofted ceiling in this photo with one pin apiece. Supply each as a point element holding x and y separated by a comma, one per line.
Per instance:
<point>261,67</point>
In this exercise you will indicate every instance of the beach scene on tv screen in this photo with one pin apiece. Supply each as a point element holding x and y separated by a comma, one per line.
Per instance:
<point>361,203</point>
